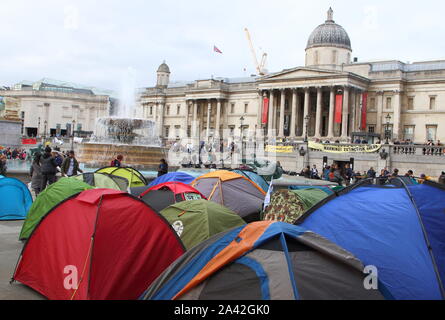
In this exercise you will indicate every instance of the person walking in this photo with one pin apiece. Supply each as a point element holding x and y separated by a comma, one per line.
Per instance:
<point>70,166</point>
<point>36,174</point>
<point>349,173</point>
<point>3,165</point>
<point>163,168</point>
<point>117,162</point>
<point>48,168</point>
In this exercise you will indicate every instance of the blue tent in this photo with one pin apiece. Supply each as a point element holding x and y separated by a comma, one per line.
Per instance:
<point>259,180</point>
<point>173,176</point>
<point>15,199</point>
<point>399,230</point>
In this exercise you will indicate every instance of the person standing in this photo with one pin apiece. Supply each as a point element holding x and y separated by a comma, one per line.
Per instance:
<point>348,174</point>
<point>2,165</point>
<point>48,168</point>
<point>117,162</point>
<point>163,168</point>
<point>70,166</point>
<point>442,178</point>
<point>36,174</point>
<point>371,173</point>
<point>314,173</point>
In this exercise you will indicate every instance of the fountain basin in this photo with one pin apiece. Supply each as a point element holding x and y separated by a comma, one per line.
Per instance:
<point>98,155</point>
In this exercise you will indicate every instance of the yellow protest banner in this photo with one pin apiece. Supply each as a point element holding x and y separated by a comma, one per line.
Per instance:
<point>279,149</point>
<point>369,148</point>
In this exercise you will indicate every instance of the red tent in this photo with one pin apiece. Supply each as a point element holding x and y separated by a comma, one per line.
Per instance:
<point>102,244</point>
<point>175,187</point>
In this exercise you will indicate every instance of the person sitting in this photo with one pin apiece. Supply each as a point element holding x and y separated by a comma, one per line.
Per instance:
<point>117,162</point>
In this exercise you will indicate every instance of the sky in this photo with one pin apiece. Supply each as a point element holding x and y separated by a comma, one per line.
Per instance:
<point>96,42</point>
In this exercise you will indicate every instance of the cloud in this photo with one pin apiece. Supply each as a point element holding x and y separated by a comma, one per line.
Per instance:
<point>71,21</point>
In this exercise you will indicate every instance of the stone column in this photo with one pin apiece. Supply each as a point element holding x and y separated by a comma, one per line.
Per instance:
<point>294,114</point>
<point>353,120</point>
<point>218,118</point>
<point>306,111</point>
<point>282,110</point>
<point>319,110</point>
<point>379,101</point>
<point>397,115</point>
<point>195,120</point>
<point>344,126</point>
<point>260,109</point>
<point>187,105</point>
<point>331,113</point>
<point>271,110</point>
<point>209,113</point>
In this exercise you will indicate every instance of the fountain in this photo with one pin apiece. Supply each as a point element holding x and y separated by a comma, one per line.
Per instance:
<point>123,133</point>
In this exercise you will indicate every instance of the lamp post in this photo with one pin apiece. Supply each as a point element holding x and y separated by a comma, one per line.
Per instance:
<point>306,123</point>
<point>388,119</point>
<point>38,128</point>
<point>242,136</point>
<point>44,132</point>
<point>72,134</point>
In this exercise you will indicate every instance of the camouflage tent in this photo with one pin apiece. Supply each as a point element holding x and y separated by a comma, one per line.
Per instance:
<point>288,205</point>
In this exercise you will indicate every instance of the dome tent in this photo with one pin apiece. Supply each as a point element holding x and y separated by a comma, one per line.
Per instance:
<point>173,177</point>
<point>259,180</point>
<point>15,199</point>
<point>104,180</point>
<point>263,261</point>
<point>197,220</point>
<point>234,191</point>
<point>48,199</point>
<point>134,177</point>
<point>288,205</point>
<point>163,195</point>
<point>115,242</point>
<point>398,229</point>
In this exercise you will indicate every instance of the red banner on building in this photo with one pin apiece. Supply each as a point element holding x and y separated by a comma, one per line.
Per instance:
<point>29,141</point>
<point>364,110</point>
<point>265,110</point>
<point>338,108</point>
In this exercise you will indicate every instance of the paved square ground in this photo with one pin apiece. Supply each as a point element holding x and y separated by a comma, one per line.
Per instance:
<point>10,248</point>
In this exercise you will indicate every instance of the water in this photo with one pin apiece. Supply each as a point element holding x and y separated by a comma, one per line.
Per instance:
<point>123,128</point>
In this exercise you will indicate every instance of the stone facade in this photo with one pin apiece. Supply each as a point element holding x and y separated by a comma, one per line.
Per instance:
<point>407,101</point>
<point>10,133</point>
<point>48,109</point>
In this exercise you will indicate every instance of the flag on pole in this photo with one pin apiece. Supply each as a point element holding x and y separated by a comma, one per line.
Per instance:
<point>215,49</point>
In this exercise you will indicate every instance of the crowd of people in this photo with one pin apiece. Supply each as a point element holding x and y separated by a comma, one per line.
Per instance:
<point>347,176</point>
<point>14,154</point>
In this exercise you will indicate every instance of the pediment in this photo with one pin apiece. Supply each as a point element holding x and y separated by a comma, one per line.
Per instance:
<point>301,73</point>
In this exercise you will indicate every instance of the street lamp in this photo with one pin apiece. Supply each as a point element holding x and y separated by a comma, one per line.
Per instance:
<point>38,129</point>
<point>388,119</point>
<point>242,135</point>
<point>306,121</point>
<point>72,134</point>
<point>44,132</point>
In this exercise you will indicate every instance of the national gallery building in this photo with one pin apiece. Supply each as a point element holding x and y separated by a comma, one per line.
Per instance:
<point>332,97</point>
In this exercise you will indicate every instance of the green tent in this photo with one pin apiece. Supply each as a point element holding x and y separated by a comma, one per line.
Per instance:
<point>197,220</point>
<point>289,205</point>
<point>134,177</point>
<point>48,199</point>
<point>104,181</point>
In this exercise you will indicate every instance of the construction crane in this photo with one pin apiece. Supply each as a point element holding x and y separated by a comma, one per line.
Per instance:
<point>259,66</point>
